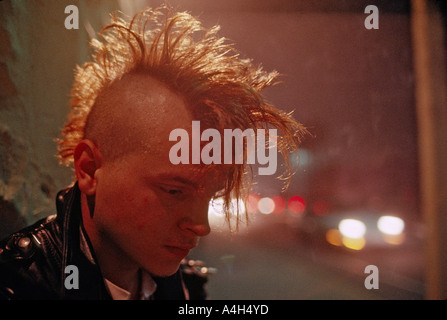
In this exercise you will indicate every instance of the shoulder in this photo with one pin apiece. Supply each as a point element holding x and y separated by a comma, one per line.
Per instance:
<point>21,256</point>
<point>23,244</point>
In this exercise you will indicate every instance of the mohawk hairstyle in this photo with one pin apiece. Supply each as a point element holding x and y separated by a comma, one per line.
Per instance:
<point>220,88</point>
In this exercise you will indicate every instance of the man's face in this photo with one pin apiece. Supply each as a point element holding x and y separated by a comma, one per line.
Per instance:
<point>152,212</point>
<point>147,210</point>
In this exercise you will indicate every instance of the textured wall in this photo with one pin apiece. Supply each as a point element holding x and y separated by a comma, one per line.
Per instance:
<point>37,58</point>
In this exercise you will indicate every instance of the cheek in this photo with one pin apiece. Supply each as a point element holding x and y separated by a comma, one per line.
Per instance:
<point>146,200</point>
<point>149,215</point>
<point>116,207</point>
<point>129,198</point>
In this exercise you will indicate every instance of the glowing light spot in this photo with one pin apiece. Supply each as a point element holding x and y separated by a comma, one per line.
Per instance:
<point>280,204</point>
<point>352,228</point>
<point>301,158</point>
<point>296,204</point>
<point>216,207</point>
<point>252,203</point>
<point>390,225</point>
<point>334,237</point>
<point>237,207</point>
<point>266,205</point>
<point>354,244</point>
<point>394,239</point>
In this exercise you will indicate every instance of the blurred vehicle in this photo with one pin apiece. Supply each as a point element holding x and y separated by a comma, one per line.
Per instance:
<point>355,229</point>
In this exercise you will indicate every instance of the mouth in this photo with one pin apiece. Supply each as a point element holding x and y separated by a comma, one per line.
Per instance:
<point>180,251</point>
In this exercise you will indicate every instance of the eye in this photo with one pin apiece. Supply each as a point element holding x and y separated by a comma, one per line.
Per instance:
<point>171,191</point>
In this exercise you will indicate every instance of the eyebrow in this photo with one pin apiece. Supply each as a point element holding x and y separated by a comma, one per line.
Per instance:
<point>178,179</point>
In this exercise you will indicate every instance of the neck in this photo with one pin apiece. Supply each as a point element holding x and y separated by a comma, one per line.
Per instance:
<point>115,265</point>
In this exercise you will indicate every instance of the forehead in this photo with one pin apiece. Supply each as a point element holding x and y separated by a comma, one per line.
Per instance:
<point>153,169</point>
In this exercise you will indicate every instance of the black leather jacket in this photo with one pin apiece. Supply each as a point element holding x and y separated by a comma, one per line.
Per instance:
<point>33,261</point>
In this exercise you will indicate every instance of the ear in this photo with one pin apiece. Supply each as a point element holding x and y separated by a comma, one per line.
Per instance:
<point>87,160</point>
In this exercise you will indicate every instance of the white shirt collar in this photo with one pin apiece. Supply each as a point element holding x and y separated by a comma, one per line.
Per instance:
<point>143,288</point>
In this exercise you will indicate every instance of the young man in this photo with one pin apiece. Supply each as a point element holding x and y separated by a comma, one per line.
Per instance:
<point>131,217</point>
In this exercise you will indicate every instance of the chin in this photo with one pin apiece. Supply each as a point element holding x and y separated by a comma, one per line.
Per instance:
<point>164,270</point>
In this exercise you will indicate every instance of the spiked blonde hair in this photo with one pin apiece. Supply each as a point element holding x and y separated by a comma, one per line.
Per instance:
<point>193,61</point>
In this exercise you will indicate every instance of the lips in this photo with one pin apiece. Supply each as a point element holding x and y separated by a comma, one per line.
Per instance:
<point>179,250</point>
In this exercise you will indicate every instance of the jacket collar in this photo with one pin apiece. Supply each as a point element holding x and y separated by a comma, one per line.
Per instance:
<point>69,219</point>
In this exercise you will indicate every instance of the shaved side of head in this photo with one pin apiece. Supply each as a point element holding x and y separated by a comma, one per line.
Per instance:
<point>134,114</point>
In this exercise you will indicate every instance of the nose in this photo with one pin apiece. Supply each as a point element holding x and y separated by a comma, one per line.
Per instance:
<point>196,221</point>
